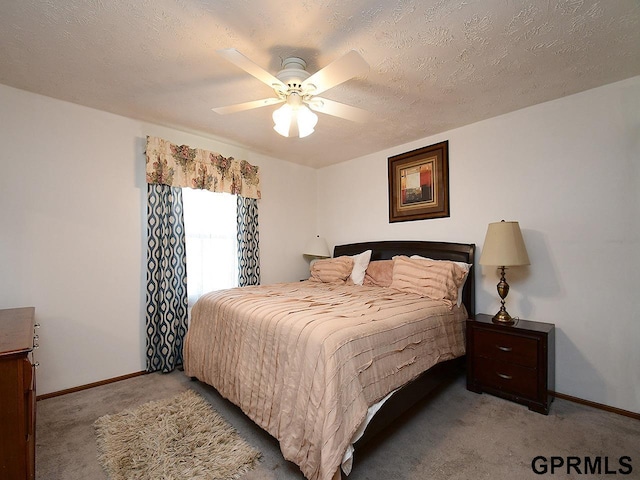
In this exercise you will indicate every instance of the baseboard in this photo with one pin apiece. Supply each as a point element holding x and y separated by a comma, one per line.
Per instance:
<point>90,385</point>
<point>599,406</point>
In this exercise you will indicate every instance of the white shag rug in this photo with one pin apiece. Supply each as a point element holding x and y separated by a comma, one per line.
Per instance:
<point>174,439</point>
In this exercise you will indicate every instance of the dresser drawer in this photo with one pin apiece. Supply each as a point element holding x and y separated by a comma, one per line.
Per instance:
<point>507,348</point>
<point>507,377</point>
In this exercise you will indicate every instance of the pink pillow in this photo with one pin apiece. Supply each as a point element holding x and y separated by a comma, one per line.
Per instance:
<point>379,273</point>
<point>427,278</point>
<point>331,270</point>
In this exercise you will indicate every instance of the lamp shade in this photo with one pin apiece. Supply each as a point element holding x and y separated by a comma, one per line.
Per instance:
<point>294,118</point>
<point>504,245</point>
<point>317,247</point>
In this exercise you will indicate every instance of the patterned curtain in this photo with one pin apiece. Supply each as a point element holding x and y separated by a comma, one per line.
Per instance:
<point>166,318</point>
<point>248,242</point>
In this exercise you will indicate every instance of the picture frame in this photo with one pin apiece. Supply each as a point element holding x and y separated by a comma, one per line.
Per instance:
<point>419,184</point>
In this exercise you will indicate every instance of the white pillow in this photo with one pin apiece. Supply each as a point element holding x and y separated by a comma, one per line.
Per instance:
<point>465,266</point>
<point>360,264</point>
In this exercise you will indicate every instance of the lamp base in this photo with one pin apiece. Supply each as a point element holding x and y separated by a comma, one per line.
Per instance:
<point>503,317</point>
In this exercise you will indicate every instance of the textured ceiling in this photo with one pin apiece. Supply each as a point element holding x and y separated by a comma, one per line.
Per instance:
<point>435,64</point>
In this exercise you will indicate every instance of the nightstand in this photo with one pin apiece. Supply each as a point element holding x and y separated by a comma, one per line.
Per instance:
<point>516,362</point>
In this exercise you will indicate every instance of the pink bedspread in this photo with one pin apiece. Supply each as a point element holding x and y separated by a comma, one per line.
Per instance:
<point>305,360</point>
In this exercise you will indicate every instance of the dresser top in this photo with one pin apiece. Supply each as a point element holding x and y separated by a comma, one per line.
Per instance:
<point>16,330</point>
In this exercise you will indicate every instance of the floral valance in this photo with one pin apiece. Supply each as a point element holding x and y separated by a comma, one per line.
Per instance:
<point>181,166</point>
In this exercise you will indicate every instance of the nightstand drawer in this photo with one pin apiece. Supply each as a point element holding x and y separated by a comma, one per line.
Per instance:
<point>507,348</point>
<point>507,377</point>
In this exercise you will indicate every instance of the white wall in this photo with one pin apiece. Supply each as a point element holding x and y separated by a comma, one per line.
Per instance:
<point>72,230</point>
<point>569,172</point>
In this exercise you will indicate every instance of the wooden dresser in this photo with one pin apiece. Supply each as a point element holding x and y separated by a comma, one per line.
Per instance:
<point>512,361</point>
<point>17,394</point>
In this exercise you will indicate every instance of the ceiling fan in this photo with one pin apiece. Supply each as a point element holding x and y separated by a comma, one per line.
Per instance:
<point>298,90</point>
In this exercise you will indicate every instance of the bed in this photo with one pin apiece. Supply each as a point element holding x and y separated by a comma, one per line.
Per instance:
<point>310,361</point>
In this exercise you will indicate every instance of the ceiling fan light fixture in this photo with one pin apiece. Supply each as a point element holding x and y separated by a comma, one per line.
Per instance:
<point>307,121</point>
<point>282,118</point>
<point>294,118</point>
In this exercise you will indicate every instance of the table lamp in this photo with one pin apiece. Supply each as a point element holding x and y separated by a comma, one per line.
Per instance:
<point>504,247</point>
<point>316,248</point>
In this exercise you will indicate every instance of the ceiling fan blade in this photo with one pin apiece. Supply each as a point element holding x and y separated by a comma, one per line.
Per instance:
<point>340,70</point>
<point>239,60</point>
<point>338,109</point>
<point>239,107</point>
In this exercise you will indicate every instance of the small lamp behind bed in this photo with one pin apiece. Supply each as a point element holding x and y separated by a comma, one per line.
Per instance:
<point>316,248</point>
<point>504,247</point>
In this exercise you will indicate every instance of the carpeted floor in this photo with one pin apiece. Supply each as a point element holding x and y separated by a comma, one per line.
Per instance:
<point>454,435</point>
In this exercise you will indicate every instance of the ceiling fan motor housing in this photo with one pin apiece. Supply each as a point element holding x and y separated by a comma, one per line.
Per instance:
<point>293,73</point>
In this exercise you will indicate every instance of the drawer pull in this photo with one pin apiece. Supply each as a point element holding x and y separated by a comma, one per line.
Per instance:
<point>35,345</point>
<point>36,338</point>
<point>502,375</point>
<point>504,349</point>
<point>36,365</point>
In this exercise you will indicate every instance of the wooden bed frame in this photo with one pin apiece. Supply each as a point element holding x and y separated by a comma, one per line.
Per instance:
<point>442,373</point>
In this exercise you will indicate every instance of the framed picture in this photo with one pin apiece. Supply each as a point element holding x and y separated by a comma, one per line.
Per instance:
<point>419,184</point>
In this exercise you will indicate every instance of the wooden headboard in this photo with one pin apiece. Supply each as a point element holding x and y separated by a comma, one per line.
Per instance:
<point>385,250</point>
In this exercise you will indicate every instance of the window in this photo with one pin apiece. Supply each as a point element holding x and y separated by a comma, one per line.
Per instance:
<point>210,232</point>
